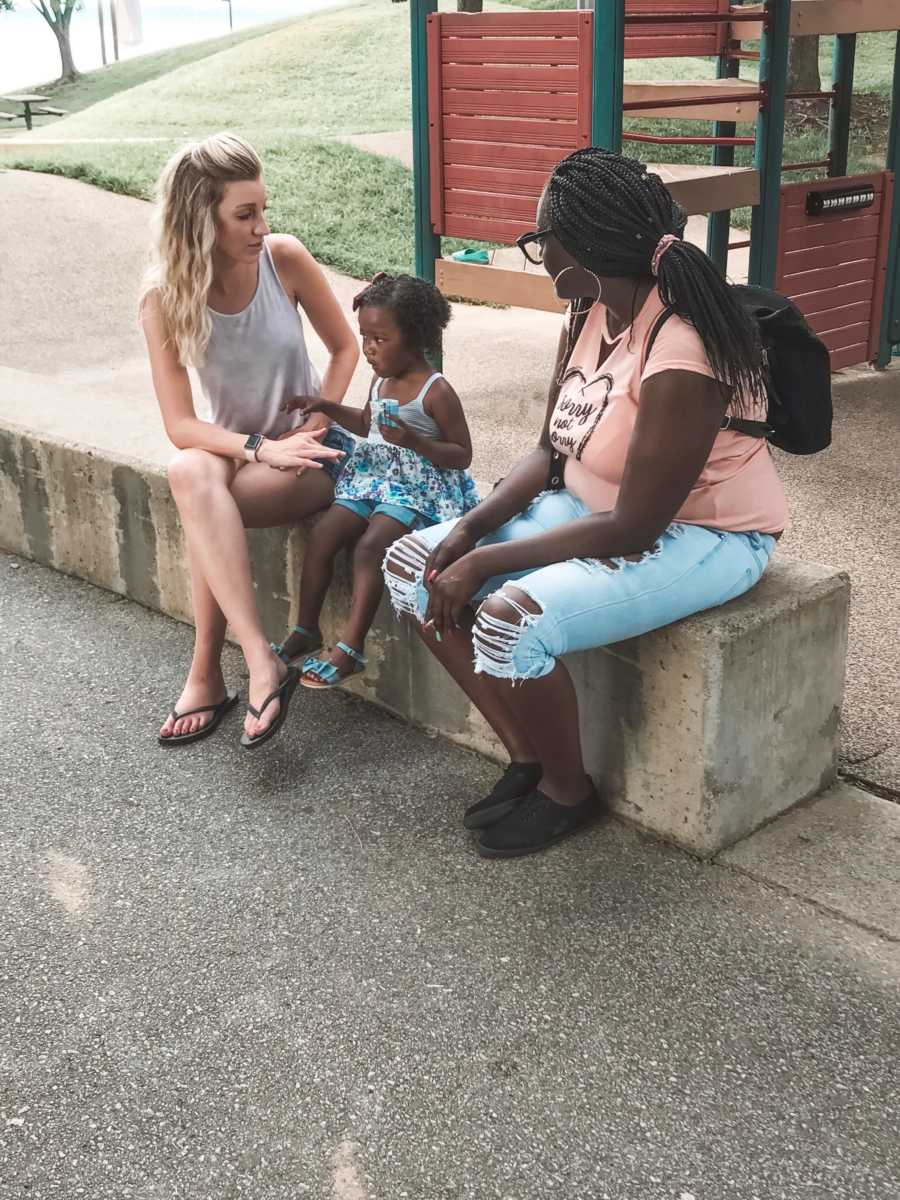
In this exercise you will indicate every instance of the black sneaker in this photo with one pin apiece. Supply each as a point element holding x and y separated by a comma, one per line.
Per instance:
<point>519,779</point>
<point>537,822</point>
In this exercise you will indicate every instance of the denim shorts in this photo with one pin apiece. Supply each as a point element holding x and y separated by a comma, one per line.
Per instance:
<point>367,508</point>
<point>583,602</point>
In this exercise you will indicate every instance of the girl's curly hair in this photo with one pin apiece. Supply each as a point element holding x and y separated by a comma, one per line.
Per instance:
<point>418,308</point>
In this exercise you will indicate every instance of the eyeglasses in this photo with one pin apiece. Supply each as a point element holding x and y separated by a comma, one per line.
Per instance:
<point>532,245</point>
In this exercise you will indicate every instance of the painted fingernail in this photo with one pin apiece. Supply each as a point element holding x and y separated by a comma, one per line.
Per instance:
<point>432,575</point>
<point>437,636</point>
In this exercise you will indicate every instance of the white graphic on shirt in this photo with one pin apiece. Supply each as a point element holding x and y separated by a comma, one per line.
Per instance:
<point>578,412</point>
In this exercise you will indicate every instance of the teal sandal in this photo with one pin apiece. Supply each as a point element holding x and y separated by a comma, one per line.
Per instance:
<point>315,636</point>
<point>327,674</point>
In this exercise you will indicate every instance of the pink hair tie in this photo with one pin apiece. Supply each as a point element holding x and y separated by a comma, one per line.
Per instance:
<point>661,247</point>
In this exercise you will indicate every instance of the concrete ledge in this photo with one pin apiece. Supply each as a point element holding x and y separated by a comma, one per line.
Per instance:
<point>702,731</point>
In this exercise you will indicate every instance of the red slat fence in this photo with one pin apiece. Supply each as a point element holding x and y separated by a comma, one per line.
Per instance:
<point>834,265</point>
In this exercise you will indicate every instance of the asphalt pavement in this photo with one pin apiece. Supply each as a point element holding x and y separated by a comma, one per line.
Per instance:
<point>286,974</point>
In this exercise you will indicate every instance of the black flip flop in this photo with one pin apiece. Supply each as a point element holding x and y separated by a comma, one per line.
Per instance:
<point>218,712</point>
<point>283,692</point>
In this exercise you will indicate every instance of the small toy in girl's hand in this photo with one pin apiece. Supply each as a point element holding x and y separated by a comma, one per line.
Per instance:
<point>390,409</point>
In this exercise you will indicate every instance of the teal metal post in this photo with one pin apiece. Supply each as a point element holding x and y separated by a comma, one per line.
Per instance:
<point>890,321</point>
<point>769,150</point>
<point>718,226</point>
<point>842,64</point>
<point>428,244</point>
<point>608,75</point>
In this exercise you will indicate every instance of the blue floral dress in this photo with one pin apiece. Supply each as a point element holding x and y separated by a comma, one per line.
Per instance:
<point>381,473</point>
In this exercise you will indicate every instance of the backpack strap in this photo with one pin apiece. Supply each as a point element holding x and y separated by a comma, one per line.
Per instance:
<point>654,332</point>
<point>756,429</point>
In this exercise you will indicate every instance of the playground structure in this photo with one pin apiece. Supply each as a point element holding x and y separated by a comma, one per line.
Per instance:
<point>500,98</point>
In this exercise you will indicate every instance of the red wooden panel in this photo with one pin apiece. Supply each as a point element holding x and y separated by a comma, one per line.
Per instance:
<point>851,356</point>
<point>559,105</point>
<point>665,47</point>
<point>840,339</point>
<point>491,154</point>
<point>829,298</point>
<point>641,41</point>
<point>511,132</point>
<point>435,121</point>
<point>489,204</point>
<point>518,51</point>
<point>484,179</point>
<point>836,320</point>
<point>490,77</point>
<point>481,230</point>
<point>804,282</point>
<point>834,266</point>
<point>838,230</point>
<point>634,7</point>
<point>557,23</point>
<point>826,256</point>
<point>671,41</point>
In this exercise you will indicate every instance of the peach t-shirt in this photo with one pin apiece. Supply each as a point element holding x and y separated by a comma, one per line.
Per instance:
<point>738,489</point>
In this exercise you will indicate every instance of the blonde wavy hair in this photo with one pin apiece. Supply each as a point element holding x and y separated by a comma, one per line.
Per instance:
<point>188,192</point>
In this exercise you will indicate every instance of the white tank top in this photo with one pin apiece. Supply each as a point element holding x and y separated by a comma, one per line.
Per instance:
<point>256,359</point>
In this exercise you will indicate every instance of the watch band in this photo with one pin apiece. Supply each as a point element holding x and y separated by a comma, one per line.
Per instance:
<point>252,447</point>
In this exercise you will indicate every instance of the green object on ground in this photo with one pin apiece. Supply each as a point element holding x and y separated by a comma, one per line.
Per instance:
<point>471,255</point>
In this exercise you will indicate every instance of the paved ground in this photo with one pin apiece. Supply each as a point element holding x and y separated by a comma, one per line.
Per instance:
<point>286,974</point>
<point>72,362</point>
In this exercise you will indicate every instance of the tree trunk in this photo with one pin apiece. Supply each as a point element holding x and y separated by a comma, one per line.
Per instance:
<point>803,65</point>
<point>469,5</point>
<point>69,70</point>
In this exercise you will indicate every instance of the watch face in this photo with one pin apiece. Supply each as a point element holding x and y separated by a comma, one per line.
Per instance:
<point>253,442</point>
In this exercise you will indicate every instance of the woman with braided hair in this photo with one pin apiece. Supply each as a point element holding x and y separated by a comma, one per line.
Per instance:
<point>637,508</point>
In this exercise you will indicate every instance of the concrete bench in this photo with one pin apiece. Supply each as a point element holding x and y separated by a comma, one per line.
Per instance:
<point>700,732</point>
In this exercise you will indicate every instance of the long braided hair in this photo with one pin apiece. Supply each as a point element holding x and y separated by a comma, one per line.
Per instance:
<point>610,213</point>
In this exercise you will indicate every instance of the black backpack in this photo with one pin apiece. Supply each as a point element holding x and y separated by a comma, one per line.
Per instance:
<point>799,388</point>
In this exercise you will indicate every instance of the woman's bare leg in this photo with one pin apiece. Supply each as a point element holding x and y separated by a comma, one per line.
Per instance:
<point>215,497</point>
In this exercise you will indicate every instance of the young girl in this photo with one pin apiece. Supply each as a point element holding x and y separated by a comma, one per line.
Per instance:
<point>409,472</point>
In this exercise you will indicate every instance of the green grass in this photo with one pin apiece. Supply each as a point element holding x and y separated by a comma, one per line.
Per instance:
<point>94,86</point>
<point>317,76</point>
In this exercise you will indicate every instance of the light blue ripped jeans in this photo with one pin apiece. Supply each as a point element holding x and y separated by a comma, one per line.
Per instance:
<point>583,603</point>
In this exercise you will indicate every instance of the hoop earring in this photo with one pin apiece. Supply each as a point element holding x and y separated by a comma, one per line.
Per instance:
<point>587,271</point>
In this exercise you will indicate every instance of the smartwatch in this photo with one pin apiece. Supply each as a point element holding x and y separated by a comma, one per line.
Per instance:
<point>252,445</point>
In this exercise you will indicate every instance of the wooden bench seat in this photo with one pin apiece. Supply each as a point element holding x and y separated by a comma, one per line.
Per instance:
<point>5,116</point>
<point>844,16</point>
<point>724,110</point>
<point>47,111</point>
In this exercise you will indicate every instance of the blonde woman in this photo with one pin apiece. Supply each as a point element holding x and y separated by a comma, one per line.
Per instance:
<point>225,296</point>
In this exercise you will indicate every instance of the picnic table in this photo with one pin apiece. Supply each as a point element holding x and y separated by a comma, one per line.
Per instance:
<point>27,100</point>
